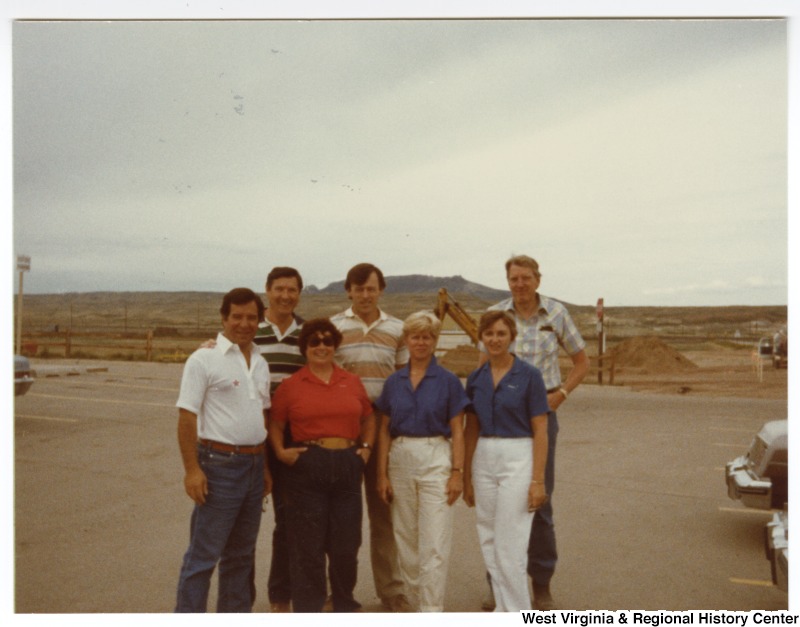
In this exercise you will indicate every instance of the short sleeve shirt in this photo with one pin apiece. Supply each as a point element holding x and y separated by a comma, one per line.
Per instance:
<point>227,396</point>
<point>314,409</point>
<point>372,352</point>
<point>282,352</point>
<point>426,410</point>
<point>539,337</point>
<point>506,411</point>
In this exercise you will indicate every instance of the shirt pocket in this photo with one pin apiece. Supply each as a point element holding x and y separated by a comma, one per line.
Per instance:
<point>226,386</point>
<point>547,341</point>
<point>511,397</point>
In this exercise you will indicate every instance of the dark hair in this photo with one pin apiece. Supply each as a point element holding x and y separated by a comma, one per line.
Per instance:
<point>241,296</point>
<point>359,274</point>
<point>490,317</point>
<point>318,326</point>
<point>284,272</point>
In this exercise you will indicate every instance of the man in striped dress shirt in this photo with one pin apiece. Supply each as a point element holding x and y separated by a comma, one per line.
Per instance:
<point>276,339</point>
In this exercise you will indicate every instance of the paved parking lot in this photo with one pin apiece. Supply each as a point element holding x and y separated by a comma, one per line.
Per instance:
<point>643,519</point>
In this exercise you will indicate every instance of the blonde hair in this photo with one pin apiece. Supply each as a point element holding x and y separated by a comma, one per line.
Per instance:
<point>422,322</point>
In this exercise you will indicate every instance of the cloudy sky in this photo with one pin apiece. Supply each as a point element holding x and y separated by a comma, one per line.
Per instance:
<point>643,161</point>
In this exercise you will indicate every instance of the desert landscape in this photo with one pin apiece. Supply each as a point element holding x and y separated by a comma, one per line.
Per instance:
<point>681,350</point>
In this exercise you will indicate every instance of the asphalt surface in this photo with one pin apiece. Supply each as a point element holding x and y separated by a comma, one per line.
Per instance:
<point>642,515</point>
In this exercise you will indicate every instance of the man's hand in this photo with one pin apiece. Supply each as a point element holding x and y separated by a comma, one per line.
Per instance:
<point>196,485</point>
<point>554,400</point>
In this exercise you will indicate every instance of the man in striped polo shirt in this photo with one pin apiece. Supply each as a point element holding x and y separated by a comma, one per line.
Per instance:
<point>276,339</point>
<point>373,348</point>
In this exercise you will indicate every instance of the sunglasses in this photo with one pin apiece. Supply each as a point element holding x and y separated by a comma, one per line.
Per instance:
<point>316,341</point>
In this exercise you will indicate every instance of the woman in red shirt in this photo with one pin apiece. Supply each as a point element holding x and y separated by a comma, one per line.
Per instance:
<point>332,430</point>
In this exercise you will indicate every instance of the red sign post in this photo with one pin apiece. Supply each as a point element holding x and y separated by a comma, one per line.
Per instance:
<point>601,343</point>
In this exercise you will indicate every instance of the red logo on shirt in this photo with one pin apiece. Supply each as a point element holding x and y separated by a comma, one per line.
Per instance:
<point>236,383</point>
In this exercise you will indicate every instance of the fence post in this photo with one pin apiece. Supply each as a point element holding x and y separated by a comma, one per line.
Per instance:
<point>612,368</point>
<point>68,343</point>
<point>149,348</point>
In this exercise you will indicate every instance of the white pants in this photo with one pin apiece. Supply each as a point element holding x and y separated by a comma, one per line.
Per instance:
<point>501,476</point>
<point>419,469</point>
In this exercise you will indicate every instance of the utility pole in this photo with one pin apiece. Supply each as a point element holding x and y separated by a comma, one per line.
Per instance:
<point>23,265</point>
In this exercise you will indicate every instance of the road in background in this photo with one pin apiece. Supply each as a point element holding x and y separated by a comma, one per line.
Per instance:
<point>643,519</point>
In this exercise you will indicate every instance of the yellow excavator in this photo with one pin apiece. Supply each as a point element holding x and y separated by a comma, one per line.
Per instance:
<point>447,306</point>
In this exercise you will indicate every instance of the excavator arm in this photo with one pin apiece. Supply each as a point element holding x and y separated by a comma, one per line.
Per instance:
<point>447,306</point>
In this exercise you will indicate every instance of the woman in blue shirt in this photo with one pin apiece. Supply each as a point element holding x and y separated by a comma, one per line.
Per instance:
<point>421,460</point>
<point>506,454</point>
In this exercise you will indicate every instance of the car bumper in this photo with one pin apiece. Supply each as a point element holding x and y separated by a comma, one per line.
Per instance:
<point>744,487</point>
<point>22,385</point>
<point>776,544</point>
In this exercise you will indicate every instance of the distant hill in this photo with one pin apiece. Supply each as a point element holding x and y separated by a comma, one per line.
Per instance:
<point>424,284</point>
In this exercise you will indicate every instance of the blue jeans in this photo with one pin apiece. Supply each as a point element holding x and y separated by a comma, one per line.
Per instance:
<point>542,554</point>
<point>322,495</point>
<point>223,530</point>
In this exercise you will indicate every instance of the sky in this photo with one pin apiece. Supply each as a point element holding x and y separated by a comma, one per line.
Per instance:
<point>639,160</point>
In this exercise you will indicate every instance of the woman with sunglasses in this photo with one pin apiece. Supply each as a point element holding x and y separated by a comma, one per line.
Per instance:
<point>332,430</point>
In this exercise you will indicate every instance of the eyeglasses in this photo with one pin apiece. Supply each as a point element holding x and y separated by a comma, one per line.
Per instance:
<point>316,341</point>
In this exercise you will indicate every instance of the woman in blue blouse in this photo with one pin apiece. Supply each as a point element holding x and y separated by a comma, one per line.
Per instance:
<point>421,460</point>
<point>506,453</point>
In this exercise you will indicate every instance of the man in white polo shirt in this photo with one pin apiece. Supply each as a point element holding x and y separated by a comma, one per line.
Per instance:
<point>223,402</point>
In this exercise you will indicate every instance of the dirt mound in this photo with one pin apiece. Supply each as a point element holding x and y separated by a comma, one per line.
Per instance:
<point>651,355</point>
<point>460,360</point>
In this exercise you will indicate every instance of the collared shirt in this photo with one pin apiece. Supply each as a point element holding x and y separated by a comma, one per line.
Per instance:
<point>506,411</point>
<point>228,398</point>
<point>314,409</point>
<point>372,352</point>
<point>539,337</point>
<point>426,410</point>
<point>282,351</point>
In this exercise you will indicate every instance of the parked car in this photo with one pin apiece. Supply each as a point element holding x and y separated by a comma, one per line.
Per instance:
<point>23,379</point>
<point>780,349</point>
<point>764,348</point>
<point>776,544</point>
<point>759,478</point>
